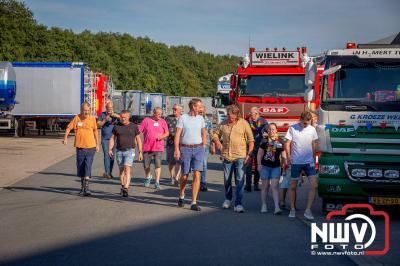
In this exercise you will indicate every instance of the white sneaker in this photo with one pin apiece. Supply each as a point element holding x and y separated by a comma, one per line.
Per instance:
<point>308,214</point>
<point>172,181</point>
<point>277,211</point>
<point>238,208</point>
<point>292,214</point>
<point>226,204</point>
<point>264,208</point>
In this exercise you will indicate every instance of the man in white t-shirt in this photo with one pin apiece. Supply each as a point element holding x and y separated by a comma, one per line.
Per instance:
<point>190,140</point>
<point>300,147</point>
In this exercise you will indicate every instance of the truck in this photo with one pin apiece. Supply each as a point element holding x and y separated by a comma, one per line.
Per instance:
<point>8,87</point>
<point>221,98</point>
<point>273,81</point>
<point>49,94</point>
<point>8,90</point>
<point>358,125</point>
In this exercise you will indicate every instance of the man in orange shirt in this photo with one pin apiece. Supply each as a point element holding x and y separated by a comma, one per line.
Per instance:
<point>86,143</point>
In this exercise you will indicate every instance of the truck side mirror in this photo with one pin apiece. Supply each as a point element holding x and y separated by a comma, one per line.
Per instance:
<point>332,70</point>
<point>311,70</point>
<point>309,94</point>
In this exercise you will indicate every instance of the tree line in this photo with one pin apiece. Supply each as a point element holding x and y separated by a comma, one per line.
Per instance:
<point>132,62</point>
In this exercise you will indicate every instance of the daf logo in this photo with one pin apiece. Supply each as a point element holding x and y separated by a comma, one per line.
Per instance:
<point>273,110</point>
<point>342,129</point>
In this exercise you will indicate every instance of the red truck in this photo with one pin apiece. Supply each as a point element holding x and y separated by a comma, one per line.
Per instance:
<point>273,81</point>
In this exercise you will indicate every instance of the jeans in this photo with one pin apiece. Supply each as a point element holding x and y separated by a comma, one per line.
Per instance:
<point>236,168</point>
<point>108,161</point>
<point>84,161</point>
<point>204,173</point>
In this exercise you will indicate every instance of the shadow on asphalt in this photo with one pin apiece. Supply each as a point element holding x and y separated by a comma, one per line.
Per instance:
<point>211,237</point>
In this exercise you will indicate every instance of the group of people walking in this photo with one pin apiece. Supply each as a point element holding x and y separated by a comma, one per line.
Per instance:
<point>189,138</point>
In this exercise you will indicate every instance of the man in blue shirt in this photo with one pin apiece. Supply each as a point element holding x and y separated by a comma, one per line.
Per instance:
<point>106,122</point>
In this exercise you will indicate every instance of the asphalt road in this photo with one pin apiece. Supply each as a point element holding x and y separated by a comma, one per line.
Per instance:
<point>44,221</point>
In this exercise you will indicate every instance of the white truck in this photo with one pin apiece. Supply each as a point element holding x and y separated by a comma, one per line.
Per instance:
<point>358,127</point>
<point>221,98</point>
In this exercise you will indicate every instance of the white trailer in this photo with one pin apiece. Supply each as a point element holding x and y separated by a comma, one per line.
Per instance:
<point>50,93</point>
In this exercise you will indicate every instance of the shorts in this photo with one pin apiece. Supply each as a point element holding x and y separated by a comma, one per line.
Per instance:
<point>192,159</point>
<point>170,155</point>
<point>268,173</point>
<point>125,157</point>
<point>84,161</point>
<point>285,182</point>
<point>149,155</point>
<point>308,168</point>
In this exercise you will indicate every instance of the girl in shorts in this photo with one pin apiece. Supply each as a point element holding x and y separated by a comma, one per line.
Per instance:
<point>269,158</point>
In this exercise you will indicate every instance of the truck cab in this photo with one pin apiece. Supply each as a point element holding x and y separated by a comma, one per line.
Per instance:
<point>358,128</point>
<point>273,81</point>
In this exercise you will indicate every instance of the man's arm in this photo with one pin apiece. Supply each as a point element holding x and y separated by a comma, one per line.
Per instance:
<point>177,153</point>
<point>314,147</point>
<point>139,146</point>
<point>67,131</point>
<point>215,136</point>
<point>70,126</point>
<point>96,137</point>
<point>287,151</point>
<point>204,136</point>
<point>102,120</point>
<point>111,145</point>
<point>166,133</point>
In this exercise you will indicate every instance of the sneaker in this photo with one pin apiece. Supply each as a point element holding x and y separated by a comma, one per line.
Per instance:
<point>238,208</point>
<point>226,204</point>
<point>181,203</point>
<point>264,208</point>
<point>203,188</point>
<point>157,186</point>
<point>172,182</point>
<point>111,176</point>
<point>282,205</point>
<point>277,211</point>
<point>292,214</point>
<point>146,182</point>
<point>195,207</point>
<point>308,214</point>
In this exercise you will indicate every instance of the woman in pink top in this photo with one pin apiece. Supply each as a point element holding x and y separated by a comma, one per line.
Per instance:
<point>154,130</point>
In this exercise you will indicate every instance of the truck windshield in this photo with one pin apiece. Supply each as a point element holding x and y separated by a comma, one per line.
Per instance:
<point>365,81</point>
<point>273,86</point>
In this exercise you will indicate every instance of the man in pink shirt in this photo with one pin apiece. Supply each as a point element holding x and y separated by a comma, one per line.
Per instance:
<point>154,130</point>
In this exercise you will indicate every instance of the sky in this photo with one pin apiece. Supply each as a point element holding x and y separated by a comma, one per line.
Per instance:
<point>229,27</point>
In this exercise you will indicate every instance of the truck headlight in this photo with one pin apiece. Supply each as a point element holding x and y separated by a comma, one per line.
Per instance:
<point>330,169</point>
<point>358,172</point>
<point>391,174</point>
<point>375,173</point>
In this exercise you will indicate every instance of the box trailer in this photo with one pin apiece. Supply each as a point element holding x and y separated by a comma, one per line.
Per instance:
<point>50,93</point>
